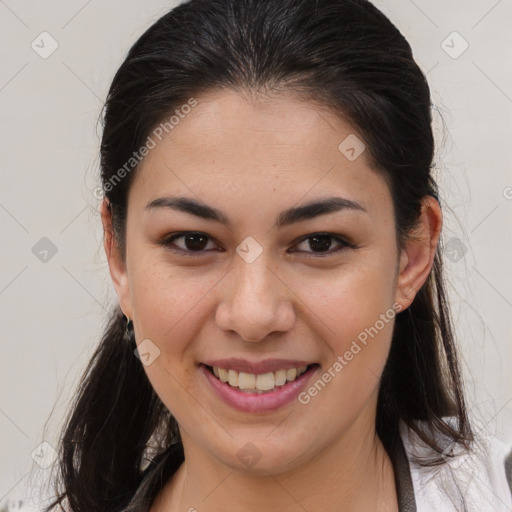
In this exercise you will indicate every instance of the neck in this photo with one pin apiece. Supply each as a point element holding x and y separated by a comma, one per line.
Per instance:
<point>354,471</point>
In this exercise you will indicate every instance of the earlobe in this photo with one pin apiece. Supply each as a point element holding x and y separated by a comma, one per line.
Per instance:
<point>116,264</point>
<point>417,257</point>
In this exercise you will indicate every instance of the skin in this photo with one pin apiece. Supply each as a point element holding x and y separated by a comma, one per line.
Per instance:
<point>253,157</point>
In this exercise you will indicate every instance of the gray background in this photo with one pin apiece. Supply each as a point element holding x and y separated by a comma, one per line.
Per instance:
<point>53,306</point>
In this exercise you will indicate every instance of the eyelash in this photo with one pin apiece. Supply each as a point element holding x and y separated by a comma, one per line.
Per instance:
<point>168,244</point>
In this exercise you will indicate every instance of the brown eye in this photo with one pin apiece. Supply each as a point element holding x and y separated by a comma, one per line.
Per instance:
<point>320,243</point>
<point>192,242</point>
<point>195,241</point>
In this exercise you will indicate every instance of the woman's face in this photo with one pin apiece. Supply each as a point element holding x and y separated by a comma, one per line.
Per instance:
<point>255,292</point>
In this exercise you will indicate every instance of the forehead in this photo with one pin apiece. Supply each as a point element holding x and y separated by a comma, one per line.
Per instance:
<point>257,146</point>
<point>222,118</point>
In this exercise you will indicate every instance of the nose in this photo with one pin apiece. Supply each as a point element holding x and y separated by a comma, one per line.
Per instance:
<point>255,301</point>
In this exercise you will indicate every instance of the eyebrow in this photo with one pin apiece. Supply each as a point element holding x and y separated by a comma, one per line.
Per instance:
<point>285,218</point>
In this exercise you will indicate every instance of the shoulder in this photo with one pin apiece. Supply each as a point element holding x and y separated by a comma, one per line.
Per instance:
<point>478,481</point>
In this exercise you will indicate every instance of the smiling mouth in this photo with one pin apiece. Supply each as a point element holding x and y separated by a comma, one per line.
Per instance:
<point>258,384</point>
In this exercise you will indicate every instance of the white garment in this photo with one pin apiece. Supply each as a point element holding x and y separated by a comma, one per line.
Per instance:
<point>474,482</point>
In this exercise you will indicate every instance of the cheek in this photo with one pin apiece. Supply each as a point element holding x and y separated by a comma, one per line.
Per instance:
<point>360,319</point>
<point>169,305</point>
<point>350,300</point>
<point>362,316</point>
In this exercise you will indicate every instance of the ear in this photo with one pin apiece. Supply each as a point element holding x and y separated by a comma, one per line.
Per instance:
<point>116,264</point>
<point>417,257</point>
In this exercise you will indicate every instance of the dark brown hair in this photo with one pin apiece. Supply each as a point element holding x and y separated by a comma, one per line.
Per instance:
<point>342,54</point>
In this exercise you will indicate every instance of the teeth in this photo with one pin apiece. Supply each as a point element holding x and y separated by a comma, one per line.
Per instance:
<point>223,374</point>
<point>257,383</point>
<point>245,380</point>
<point>233,378</point>
<point>291,374</point>
<point>280,377</point>
<point>265,381</point>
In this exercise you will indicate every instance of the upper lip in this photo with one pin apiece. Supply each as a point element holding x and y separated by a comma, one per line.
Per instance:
<point>257,367</point>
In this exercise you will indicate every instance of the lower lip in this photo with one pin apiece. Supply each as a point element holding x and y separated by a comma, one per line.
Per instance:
<point>262,402</point>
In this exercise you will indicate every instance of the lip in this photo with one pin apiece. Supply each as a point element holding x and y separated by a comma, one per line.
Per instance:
<point>256,367</point>
<point>258,403</point>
